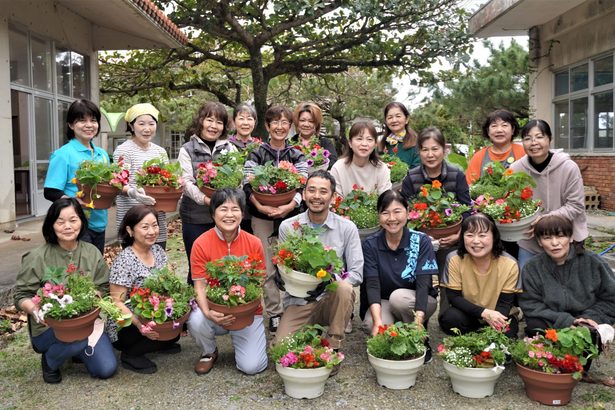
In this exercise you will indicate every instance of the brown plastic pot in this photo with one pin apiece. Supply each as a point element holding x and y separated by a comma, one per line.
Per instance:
<point>107,195</point>
<point>74,329</point>
<point>244,314</point>
<point>166,198</point>
<point>274,199</point>
<point>546,388</point>
<point>170,329</point>
<point>439,233</point>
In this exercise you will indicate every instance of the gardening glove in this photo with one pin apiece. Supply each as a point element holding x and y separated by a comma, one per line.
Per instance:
<point>279,282</point>
<point>317,292</point>
<point>139,195</point>
<point>435,243</point>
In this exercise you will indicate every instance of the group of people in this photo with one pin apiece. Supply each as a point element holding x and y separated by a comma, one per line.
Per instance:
<point>555,281</point>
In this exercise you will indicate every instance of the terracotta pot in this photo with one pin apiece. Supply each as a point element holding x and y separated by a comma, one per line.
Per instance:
<point>303,383</point>
<point>75,329</point>
<point>244,314</point>
<point>545,388</point>
<point>396,374</point>
<point>438,233</point>
<point>366,232</point>
<point>166,198</point>
<point>209,191</point>
<point>473,383</point>
<point>297,283</point>
<point>274,200</point>
<point>170,329</point>
<point>107,195</point>
<point>517,230</point>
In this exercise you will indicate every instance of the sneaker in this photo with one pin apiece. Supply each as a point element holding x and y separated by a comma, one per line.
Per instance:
<point>49,375</point>
<point>138,364</point>
<point>348,328</point>
<point>428,352</point>
<point>274,322</point>
<point>206,363</point>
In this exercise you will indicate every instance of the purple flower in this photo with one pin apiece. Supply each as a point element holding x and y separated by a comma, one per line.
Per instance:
<point>448,211</point>
<point>314,153</point>
<point>344,274</point>
<point>193,304</point>
<point>168,310</point>
<point>326,153</point>
<point>176,324</point>
<point>310,162</point>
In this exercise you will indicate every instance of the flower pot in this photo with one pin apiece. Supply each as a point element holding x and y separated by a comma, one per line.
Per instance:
<point>322,167</point>
<point>517,230</point>
<point>396,374</point>
<point>244,314</point>
<point>274,199</point>
<point>303,383</point>
<point>364,233</point>
<point>170,329</point>
<point>107,195</point>
<point>297,283</point>
<point>545,388</point>
<point>473,383</point>
<point>74,329</point>
<point>207,190</point>
<point>438,233</point>
<point>166,198</point>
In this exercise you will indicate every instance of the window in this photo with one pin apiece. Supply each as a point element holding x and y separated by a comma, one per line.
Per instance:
<point>583,106</point>
<point>176,143</point>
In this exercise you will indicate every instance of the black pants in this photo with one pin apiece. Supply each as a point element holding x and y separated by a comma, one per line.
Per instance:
<point>132,342</point>
<point>455,318</point>
<point>190,233</point>
<point>95,238</point>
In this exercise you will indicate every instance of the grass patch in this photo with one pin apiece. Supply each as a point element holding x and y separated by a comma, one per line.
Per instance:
<point>599,245</point>
<point>598,399</point>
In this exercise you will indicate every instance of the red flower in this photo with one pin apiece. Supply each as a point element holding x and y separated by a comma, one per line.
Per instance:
<point>296,225</point>
<point>324,342</point>
<point>280,186</point>
<point>153,169</point>
<point>490,170</point>
<point>71,268</point>
<point>165,173</point>
<point>526,193</point>
<point>420,206</point>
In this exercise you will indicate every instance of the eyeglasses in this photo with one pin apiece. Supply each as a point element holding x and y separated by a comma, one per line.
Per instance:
<point>283,123</point>
<point>537,138</point>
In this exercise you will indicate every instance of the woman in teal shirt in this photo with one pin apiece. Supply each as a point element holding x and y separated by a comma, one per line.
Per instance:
<point>399,138</point>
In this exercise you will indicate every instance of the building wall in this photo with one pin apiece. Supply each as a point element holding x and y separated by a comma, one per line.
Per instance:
<point>598,171</point>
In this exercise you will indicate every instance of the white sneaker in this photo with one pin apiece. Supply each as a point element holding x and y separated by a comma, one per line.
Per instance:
<point>348,328</point>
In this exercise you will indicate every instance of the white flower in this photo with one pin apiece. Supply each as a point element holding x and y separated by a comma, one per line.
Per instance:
<point>66,300</point>
<point>224,152</point>
<point>490,347</point>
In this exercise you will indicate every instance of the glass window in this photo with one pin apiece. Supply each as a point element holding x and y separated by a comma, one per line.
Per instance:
<point>63,71</point>
<point>578,123</point>
<point>18,57</point>
<point>41,173</point>
<point>560,131</point>
<point>561,83</point>
<point>603,120</point>
<point>80,77</point>
<point>41,64</point>
<point>43,128</point>
<point>62,126</point>
<point>603,71</point>
<point>579,78</point>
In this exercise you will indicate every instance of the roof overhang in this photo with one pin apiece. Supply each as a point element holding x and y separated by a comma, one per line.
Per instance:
<point>516,17</point>
<point>127,24</point>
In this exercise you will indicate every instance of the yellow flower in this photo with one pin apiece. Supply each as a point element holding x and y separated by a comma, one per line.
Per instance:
<point>79,194</point>
<point>90,205</point>
<point>321,273</point>
<point>74,180</point>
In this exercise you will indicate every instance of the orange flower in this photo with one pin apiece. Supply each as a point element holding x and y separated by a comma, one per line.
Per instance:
<point>424,191</point>
<point>551,334</point>
<point>508,172</point>
<point>436,184</point>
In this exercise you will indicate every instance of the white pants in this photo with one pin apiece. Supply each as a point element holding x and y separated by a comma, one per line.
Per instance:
<point>399,307</point>
<point>249,343</point>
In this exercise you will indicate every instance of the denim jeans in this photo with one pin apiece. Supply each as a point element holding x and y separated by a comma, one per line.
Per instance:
<point>95,238</point>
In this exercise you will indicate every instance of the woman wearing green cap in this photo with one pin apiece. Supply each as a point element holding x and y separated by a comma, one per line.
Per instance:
<point>141,122</point>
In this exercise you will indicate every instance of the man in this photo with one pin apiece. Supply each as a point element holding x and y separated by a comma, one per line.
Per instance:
<point>332,309</point>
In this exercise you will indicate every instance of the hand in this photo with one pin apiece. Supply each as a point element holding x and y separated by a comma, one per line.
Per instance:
<point>435,244</point>
<point>581,321</point>
<point>375,328</point>
<point>265,209</point>
<point>282,211</point>
<point>313,294</point>
<point>219,318</point>
<point>277,278</point>
<point>148,331</point>
<point>38,316</point>
<point>530,232</point>
<point>495,319</point>
<point>139,195</point>
<point>449,241</point>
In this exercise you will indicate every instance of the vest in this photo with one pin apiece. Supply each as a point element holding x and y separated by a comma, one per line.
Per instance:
<point>448,178</point>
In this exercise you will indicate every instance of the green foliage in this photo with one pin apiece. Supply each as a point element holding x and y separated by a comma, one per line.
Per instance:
<point>435,208</point>
<point>306,348</point>
<point>486,347</point>
<point>399,169</point>
<point>271,179</point>
<point>400,341</point>
<point>92,173</point>
<point>225,172</point>
<point>234,280</point>
<point>359,207</point>
<point>159,172</point>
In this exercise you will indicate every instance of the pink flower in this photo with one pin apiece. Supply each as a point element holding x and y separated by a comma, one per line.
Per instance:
<point>340,356</point>
<point>325,356</point>
<point>288,359</point>
<point>441,348</point>
<point>414,215</point>
<point>500,201</point>
<point>36,299</point>
<point>308,350</point>
<point>531,354</point>
<point>225,297</point>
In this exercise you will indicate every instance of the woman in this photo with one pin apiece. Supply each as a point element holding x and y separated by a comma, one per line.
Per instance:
<point>397,270</point>
<point>64,226</point>
<point>361,165</point>
<point>307,119</point>
<point>83,119</point>
<point>139,258</point>
<point>141,122</point>
<point>266,219</point>
<point>206,144</point>
<point>480,280</point>
<point>500,128</point>
<point>227,207</point>
<point>399,138</point>
<point>431,144</point>
<point>559,184</point>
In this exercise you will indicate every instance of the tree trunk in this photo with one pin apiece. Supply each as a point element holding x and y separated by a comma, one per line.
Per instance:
<point>260,84</point>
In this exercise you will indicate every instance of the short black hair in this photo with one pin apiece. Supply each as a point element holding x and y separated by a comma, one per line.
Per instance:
<point>480,222</point>
<point>503,115</point>
<point>276,113</point>
<point>542,125</point>
<point>227,194</point>
<point>554,225</point>
<point>79,110</point>
<point>53,213</point>
<point>321,173</point>
<point>131,219</point>
<point>388,197</point>
<point>431,133</point>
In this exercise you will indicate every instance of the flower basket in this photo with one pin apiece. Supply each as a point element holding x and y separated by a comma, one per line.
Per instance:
<point>169,330</point>
<point>100,182</point>
<point>435,208</point>
<point>297,283</point>
<point>226,171</point>
<point>75,329</point>
<point>516,231</point>
<point>161,180</point>
<point>244,314</point>
<point>166,197</point>
<point>546,388</point>
<point>474,383</point>
<point>360,207</point>
<point>207,190</point>
<point>303,383</point>
<point>438,233</point>
<point>274,199</point>
<point>396,374</point>
<point>316,156</point>
<point>102,196</point>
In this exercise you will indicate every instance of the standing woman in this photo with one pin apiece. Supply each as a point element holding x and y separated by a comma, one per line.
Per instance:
<point>307,118</point>
<point>266,219</point>
<point>361,165</point>
<point>559,184</point>
<point>206,144</point>
<point>140,256</point>
<point>399,138</point>
<point>63,228</point>
<point>83,119</point>
<point>500,128</point>
<point>141,122</point>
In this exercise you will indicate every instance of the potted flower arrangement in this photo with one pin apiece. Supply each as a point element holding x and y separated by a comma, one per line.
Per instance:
<point>100,182</point>
<point>507,197</point>
<point>397,353</point>
<point>360,207</point>
<point>304,361</point>
<point>234,287</point>
<point>304,262</point>
<point>225,172</point>
<point>275,185</point>
<point>474,361</point>
<point>436,212</point>
<point>317,156</point>
<point>162,181</point>
<point>163,303</point>
<point>551,364</point>
<point>398,168</point>
<point>69,304</point>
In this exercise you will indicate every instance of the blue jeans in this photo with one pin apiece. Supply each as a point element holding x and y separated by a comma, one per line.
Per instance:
<point>524,256</point>
<point>100,361</point>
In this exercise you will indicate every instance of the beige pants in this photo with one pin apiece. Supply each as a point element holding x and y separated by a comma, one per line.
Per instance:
<point>333,310</point>
<point>263,229</point>
<point>399,307</point>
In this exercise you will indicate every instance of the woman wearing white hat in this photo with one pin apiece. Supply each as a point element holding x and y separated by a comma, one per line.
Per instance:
<point>141,122</point>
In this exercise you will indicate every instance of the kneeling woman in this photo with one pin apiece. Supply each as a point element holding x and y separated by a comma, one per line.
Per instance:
<point>480,280</point>
<point>138,232</point>
<point>63,228</point>
<point>227,208</point>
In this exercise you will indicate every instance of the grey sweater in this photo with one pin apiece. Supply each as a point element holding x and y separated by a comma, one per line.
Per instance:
<point>584,286</point>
